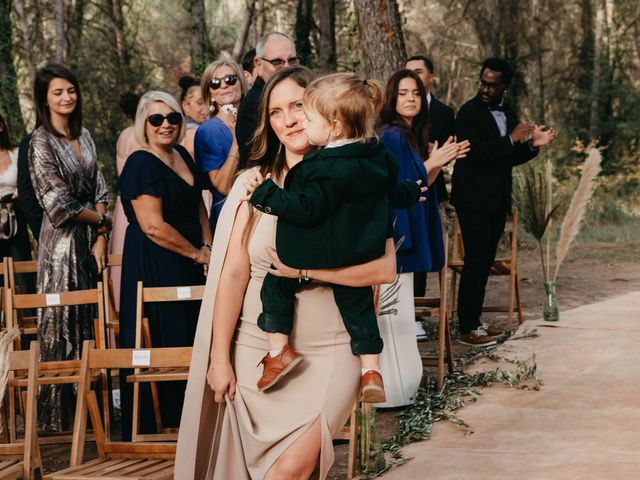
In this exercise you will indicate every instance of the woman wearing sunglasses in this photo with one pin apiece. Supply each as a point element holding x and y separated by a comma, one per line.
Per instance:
<point>71,249</point>
<point>168,242</point>
<point>216,149</point>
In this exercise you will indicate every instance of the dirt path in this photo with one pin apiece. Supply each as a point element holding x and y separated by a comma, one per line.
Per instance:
<point>591,273</point>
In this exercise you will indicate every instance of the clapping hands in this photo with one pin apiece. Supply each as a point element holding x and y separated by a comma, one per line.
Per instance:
<point>450,150</point>
<point>541,136</point>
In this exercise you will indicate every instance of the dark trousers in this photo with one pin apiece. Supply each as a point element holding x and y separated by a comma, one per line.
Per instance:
<point>355,304</point>
<point>481,232</point>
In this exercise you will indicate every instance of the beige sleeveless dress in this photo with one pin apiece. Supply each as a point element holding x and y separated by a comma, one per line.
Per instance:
<point>243,439</point>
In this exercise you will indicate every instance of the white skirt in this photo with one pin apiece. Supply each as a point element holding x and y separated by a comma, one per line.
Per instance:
<point>400,360</point>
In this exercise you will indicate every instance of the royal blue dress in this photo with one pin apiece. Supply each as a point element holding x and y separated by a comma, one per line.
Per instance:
<point>211,146</point>
<point>171,324</point>
<point>419,226</point>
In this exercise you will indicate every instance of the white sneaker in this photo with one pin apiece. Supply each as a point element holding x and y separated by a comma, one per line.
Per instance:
<point>421,333</point>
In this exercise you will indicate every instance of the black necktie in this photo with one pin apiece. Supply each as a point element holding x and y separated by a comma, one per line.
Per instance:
<point>496,108</point>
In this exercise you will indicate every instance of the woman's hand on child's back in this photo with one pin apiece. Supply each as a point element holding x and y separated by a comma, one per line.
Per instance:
<point>278,268</point>
<point>253,182</point>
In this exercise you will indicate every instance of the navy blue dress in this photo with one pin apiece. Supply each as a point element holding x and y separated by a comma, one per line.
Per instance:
<point>171,324</point>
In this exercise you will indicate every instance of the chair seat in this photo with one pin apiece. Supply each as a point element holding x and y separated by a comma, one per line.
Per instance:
<point>118,469</point>
<point>159,375</point>
<point>10,467</point>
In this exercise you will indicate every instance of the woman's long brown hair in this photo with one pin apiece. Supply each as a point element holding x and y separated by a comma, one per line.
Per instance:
<point>266,150</point>
<point>417,133</point>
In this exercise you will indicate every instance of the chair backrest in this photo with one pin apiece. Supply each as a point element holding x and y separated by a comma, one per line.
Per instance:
<point>29,448</point>
<point>126,358</point>
<point>110,304</point>
<point>162,294</point>
<point>16,302</point>
<point>18,267</point>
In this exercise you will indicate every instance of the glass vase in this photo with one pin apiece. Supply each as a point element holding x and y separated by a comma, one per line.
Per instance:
<point>371,456</point>
<point>550,311</point>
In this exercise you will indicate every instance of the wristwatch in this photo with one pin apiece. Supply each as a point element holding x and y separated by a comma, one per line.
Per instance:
<point>103,220</point>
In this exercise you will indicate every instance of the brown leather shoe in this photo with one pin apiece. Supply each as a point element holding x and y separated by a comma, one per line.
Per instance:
<point>491,330</point>
<point>477,338</point>
<point>372,388</point>
<point>277,367</point>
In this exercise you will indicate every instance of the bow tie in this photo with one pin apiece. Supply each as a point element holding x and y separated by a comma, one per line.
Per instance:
<point>496,108</point>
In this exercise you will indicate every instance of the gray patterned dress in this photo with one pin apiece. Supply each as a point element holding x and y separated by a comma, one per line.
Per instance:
<point>64,184</point>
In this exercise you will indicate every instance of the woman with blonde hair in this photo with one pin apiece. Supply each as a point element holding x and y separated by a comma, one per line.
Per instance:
<point>215,147</point>
<point>168,242</point>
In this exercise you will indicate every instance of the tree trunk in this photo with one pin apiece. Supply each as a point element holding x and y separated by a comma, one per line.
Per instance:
<point>117,21</point>
<point>77,24</point>
<point>326,21</point>
<point>59,42</point>
<point>599,27</point>
<point>243,33</point>
<point>536,45</point>
<point>27,40</point>
<point>8,88</point>
<point>198,31</point>
<point>382,48</point>
<point>304,23</point>
<point>488,25</point>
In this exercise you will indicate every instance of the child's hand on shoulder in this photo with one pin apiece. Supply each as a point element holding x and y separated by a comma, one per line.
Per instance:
<point>253,182</point>
<point>423,191</point>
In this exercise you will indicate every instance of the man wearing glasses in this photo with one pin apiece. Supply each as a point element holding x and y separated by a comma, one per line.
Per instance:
<point>481,187</point>
<point>274,52</point>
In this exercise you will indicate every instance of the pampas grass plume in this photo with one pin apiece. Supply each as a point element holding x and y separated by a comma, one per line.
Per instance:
<point>572,219</point>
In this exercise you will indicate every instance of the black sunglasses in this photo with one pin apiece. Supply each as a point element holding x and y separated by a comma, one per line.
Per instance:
<point>279,62</point>
<point>174,118</point>
<point>216,83</point>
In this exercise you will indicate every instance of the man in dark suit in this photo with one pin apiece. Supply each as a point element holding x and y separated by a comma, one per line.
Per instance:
<point>274,51</point>
<point>481,190</point>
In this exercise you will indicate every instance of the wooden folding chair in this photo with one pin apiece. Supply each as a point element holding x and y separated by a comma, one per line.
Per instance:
<point>143,339</point>
<point>11,268</point>
<point>505,266</point>
<point>350,432</point>
<point>21,458</point>
<point>121,460</point>
<point>61,372</point>
<point>437,307</point>
<point>112,315</point>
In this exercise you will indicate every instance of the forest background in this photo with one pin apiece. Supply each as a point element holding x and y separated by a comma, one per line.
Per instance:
<point>578,64</point>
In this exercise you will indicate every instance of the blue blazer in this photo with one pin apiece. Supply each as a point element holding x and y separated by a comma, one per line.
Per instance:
<point>422,249</point>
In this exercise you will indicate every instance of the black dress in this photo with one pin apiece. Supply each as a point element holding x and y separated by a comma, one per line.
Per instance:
<point>171,324</point>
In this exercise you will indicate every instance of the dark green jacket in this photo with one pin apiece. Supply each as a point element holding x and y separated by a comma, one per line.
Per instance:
<point>334,210</point>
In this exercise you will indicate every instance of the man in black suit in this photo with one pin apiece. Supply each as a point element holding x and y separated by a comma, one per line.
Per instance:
<point>274,51</point>
<point>481,190</point>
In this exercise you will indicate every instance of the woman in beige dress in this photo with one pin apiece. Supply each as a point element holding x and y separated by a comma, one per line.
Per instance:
<point>230,430</point>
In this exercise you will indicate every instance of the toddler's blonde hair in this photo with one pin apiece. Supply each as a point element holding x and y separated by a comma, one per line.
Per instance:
<point>344,97</point>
